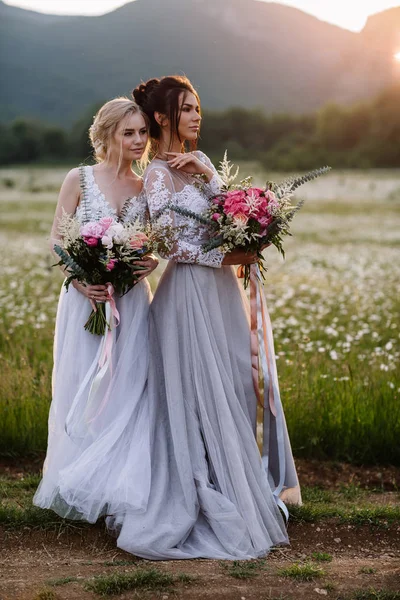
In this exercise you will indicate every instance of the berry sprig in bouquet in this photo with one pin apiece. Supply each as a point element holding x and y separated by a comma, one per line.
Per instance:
<point>104,252</point>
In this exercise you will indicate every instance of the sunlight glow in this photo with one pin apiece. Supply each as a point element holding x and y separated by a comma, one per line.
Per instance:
<point>397,57</point>
<point>350,15</point>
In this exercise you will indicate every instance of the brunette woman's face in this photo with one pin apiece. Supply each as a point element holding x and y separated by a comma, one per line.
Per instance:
<point>189,121</point>
<point>130,138</point>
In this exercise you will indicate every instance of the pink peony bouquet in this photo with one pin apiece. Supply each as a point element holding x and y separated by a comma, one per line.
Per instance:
<point>247,217</point>
<point>243,215</point>
<point>252,218</point>
<point>104,252</point>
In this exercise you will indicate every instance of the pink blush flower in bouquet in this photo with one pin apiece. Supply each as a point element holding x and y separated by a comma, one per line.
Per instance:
<point>101,253</point>
<point>255,192</point>
<point>111,264</point>
<point>235,203</point>
<point>265,221</point>
<point>105,223</point>
<point>92,230</point>
<point>138,241</point>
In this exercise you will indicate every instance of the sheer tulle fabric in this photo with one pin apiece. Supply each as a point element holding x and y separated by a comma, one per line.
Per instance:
<point>210,496</point>
<point>102,465</point>
<point>174,464</point>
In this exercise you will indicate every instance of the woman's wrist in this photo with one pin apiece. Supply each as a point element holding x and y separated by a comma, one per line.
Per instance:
<point>77,285</point>
<point>208,173</point>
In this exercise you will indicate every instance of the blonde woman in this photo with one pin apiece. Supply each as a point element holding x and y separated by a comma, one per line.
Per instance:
<point>101,466</point>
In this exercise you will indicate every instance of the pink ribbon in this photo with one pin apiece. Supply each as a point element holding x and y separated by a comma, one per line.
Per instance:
<point>258,308</point>
<point>265,381</point>
<point>114,322</point>
<point>105,360</point>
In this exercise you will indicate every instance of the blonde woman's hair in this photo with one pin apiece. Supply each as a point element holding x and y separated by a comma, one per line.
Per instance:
<point>105,124</point>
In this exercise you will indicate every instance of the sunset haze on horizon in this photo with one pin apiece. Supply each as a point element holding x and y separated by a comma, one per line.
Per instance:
<point>341,12</point>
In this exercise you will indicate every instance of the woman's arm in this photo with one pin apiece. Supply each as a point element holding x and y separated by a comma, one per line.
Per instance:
<point>198,163</point>
<point>160,192</point>
<point>68,200</point>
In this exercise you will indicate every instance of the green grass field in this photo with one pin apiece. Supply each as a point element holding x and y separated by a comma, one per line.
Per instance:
<point>334,305</point>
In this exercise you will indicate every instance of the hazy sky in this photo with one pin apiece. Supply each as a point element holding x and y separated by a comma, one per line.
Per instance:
<point>351,14</point>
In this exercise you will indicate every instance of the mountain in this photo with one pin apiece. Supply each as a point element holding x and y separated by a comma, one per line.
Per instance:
<point>237,52</point>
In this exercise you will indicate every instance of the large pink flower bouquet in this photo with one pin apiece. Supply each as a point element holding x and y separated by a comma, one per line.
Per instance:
<point>248,217</point>
<point>103,252</point>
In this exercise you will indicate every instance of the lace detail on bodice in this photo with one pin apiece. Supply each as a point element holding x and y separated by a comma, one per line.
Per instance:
<point>93,205</point>
<point>213,187</point>
<point>164,187</point>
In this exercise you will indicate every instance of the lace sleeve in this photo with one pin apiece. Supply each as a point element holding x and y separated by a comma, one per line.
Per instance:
<point>160,191</point>
<point>213,187</point>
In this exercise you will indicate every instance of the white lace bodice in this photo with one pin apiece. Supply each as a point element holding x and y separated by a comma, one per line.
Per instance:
<point>165,186</point>
<point>93,205</point>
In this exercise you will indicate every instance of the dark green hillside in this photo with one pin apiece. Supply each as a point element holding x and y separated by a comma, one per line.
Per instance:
<point>238,52</point>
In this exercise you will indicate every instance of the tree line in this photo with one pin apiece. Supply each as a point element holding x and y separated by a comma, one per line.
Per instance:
<point>360,136</point>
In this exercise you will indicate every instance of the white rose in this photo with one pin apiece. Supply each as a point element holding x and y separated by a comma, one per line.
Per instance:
<point>107,241</point>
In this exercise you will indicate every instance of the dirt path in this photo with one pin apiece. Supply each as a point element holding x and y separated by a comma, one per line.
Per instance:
<point>360,557</point>
<point>31,559</point>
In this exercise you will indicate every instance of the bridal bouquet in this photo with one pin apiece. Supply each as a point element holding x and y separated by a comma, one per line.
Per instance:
<point>253,218</point>
<point>103,252</point>
<point>248,217</point>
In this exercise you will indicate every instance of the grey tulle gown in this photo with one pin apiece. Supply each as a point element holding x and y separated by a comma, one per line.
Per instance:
<point>210,494</point>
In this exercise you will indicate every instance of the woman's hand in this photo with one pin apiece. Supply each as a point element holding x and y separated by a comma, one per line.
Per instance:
<point>240,257</point>
<point>94,293</point>
<point>264,246</point>
<point>150,262</point>
<point>189,163</point>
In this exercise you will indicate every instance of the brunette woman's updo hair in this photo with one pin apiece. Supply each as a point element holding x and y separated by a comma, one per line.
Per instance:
<point>163,96</point>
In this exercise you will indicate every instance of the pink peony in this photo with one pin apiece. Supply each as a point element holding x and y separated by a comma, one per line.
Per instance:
<point>255,192</point>
<point>262,210</point>
<point>138,241</point>
<point>91,241</point>
<point>215,216</point>
<point>105,223</point>
<point>235,202</point>
<point>92,230</point>
<point>265,221</point>
<point>111,264</point>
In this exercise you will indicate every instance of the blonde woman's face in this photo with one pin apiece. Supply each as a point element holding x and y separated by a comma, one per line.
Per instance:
<point>130,138</point>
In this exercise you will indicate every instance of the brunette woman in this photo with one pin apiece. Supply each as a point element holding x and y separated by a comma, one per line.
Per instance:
<point>211,495</point>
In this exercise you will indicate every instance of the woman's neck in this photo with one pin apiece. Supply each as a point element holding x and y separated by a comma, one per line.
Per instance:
<point>118,170</point>
<point>166,146</point>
